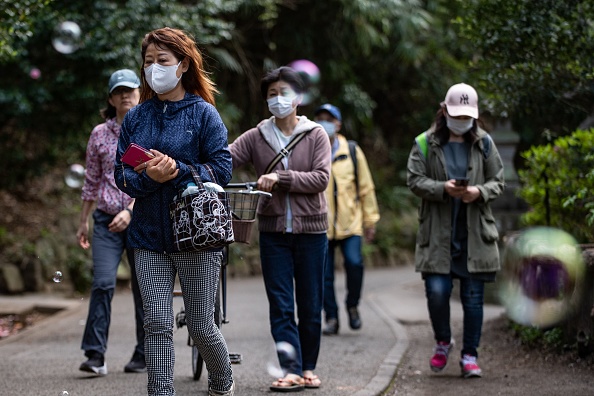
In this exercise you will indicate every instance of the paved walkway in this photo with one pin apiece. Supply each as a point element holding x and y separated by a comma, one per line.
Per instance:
<point>44,359</point>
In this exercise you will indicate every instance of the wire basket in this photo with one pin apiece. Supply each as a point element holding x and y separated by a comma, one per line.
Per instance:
<point>243,212</point>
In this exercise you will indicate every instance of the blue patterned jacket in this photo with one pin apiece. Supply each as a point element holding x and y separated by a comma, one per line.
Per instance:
<point>190,131</point>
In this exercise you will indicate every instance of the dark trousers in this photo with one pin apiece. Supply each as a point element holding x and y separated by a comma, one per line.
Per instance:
<point>353,266</point>
<point>438,289</point>
<point>293,271</point>
<point>107,248</point>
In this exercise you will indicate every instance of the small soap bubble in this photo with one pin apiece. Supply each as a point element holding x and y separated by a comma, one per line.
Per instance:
<point>542,277</point>
<point>75,176</point>
<point>285,349</point>
<point>274,370</point>
<point>35,73</point>
<point>311,76</point>
<point>66,37</point>
<point>58,277</point>
<point>285,353</point>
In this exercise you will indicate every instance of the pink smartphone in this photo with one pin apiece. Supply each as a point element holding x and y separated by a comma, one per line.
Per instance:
<point>136,155</point>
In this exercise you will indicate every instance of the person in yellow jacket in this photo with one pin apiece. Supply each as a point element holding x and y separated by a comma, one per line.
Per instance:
<point>352,215</point>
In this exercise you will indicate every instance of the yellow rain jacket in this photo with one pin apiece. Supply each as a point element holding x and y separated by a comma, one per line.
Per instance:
<point>347,215</point>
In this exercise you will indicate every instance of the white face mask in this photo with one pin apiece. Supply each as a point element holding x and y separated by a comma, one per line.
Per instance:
<point>281,106</point>
<point>459,127</point>
<point>161,79</point>
<point>329,127</point>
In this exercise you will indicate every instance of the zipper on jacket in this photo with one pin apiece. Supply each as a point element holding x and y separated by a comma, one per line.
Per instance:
<point>164,108</point>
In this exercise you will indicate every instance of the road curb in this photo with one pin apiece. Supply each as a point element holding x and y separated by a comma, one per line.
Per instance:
<point>389,367</point>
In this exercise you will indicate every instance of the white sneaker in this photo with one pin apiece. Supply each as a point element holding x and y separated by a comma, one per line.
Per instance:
<point>230,392</point>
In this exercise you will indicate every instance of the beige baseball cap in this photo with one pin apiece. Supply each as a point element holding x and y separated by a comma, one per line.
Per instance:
<point>461,100</point>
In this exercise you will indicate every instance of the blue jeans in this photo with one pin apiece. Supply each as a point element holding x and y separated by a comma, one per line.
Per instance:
<point>353,266</point>
<point>438,289</point>
<point>287,260</point>
<point>107,248</point>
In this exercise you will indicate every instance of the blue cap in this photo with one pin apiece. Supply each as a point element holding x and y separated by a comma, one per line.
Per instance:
<point>333,110</point>
<point>123,78</point>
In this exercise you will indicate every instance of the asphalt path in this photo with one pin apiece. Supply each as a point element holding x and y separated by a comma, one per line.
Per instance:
<point>44,359</point>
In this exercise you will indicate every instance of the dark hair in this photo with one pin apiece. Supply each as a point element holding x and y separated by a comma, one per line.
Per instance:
<point>286,74</point>
<point>108,112</point>
<point>196,79</point>
<point>443,133</point>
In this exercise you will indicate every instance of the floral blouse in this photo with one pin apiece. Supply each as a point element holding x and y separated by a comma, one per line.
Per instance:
<point>99,183</point>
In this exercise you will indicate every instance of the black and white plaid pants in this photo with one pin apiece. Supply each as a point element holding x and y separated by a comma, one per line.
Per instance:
<point>199,276</point>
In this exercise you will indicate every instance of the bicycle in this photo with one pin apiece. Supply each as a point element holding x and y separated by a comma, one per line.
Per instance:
<point>244,199</point>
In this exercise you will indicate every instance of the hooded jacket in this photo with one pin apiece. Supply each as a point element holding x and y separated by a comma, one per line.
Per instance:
<point>190,131</point>
<point>348,215</point>
<point>426,179</point>
<point>302,185</point>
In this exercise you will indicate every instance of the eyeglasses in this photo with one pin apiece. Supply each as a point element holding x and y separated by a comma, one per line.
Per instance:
<point>121,90</point>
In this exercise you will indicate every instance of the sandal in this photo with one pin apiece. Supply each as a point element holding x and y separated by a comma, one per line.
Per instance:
<point>312,381</point>
<point>291,383</point>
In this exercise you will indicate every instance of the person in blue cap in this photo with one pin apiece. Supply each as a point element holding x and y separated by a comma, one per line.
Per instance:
<point>352,215</point>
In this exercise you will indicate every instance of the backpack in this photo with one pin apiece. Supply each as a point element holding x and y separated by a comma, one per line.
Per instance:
<point>353,152</point>
<point>423,144</point>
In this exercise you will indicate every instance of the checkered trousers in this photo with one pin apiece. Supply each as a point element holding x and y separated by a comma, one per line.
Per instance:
<point>199,276</point>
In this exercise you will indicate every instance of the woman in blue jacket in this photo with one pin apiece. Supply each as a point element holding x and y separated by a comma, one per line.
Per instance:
<point>177,121</point>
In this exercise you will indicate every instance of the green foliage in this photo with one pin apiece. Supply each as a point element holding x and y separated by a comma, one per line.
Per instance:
<point>79,270</point>
<point>17,18</point>
<point>562,172</point>
<point>398,224</point>
<point>534,337</point>
<point>532,60</point>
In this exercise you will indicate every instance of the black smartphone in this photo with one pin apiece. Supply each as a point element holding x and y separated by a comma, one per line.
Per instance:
<point>462,182</point>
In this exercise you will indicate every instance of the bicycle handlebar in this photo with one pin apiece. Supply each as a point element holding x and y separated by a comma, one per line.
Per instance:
<point>249,185</point>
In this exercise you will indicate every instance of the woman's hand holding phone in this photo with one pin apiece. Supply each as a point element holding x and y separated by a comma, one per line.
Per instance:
<point>161,168</point>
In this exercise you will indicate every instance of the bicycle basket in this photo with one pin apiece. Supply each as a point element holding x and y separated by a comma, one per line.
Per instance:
<point>243,212</point>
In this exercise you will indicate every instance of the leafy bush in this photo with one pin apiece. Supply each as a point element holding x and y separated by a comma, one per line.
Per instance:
<point>558,184</point>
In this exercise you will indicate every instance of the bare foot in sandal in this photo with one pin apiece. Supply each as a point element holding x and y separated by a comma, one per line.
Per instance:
<point>290,383</point>
<point>311,381</point>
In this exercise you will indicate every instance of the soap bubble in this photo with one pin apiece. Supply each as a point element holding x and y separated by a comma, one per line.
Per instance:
<point>66,37</point>
<point>285,353</point>
<point>34,73</point>
<point>311,76</point>
<point>58,276</point>
<point>542,277</point>
<point>75,176</point>
<point>307,69</point>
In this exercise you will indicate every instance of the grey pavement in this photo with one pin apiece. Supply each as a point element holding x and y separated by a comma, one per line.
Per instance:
<point>44,359</point>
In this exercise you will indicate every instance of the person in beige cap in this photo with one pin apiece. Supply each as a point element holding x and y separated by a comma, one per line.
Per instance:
<point>456,170</point>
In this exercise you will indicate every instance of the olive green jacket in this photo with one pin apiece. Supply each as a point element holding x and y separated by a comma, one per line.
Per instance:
<point>426,178</point>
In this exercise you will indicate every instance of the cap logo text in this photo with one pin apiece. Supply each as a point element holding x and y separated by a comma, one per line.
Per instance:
<point>464,99</point>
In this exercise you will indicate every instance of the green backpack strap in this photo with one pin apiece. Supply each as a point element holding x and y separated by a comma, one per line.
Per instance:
<point>421,141</point>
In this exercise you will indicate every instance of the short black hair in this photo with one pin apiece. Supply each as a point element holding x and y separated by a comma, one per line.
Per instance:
<point>283,73</point>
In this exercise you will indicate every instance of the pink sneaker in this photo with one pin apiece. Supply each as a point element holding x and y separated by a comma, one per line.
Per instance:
<point>469,367</point>
<point>440,357</point>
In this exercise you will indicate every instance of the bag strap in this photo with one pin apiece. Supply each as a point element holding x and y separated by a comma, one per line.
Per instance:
<point>423,144</point>
<point>196,176</point>
<point>284,152</point>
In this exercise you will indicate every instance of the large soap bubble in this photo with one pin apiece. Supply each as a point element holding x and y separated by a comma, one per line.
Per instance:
<point>311,76</point>
<point>66,37</point>
<point>542,277</point>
